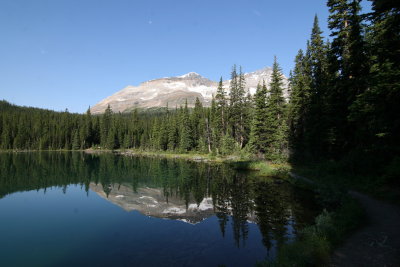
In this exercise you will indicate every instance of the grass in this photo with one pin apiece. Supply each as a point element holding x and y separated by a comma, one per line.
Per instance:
<point>236,161</point>
<point>263,168</point>
<point>192,156</point>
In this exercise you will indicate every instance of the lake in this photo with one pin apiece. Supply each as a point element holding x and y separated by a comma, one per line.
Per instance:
<point>77,209</point>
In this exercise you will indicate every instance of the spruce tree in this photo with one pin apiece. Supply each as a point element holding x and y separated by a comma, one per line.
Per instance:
<point>316,138</point>
<point>105,126</point>
<point>299,105</point>
<point>111,139</point>
<point>259,135</point>
<point>221,114</point>
<point>236,105</point>
<point>348,61</point>
<point>197,123</point>
<point>75,141</point>
<point>185,131</point>
<point>376,110</point>
<point>276,116</point>
<point>214,133</point>
<point>88,132</point>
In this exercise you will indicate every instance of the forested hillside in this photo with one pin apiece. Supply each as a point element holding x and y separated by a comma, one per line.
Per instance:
<point>221,129</point>
<point>344,106</point>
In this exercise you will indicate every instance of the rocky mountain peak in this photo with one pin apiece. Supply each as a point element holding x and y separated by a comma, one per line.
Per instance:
<point>191,75</point>
<point>175,91</point>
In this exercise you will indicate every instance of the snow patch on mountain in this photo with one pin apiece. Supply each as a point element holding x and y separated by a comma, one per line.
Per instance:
<point>190,75</point>
<point>174,85</point>
<point>175,91</point>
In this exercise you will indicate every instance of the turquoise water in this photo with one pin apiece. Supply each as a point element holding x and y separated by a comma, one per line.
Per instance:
<point>74,209</point>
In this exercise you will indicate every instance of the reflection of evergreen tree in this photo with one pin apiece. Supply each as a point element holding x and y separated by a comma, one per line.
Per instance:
<point>241,207</point>
<point>232,192</point>
<point>221,199</point>
<point>273,210</point>
<point>263,216</point>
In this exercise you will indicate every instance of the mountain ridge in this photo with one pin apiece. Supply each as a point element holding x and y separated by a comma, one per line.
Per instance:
<point>175,91</point>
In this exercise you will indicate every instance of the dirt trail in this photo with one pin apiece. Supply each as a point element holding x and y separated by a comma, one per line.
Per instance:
<point>376,244</point>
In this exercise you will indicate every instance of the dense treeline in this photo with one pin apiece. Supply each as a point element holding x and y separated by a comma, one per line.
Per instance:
<point>222,129</point>
<point>346,92</point>
<point>343,106</point>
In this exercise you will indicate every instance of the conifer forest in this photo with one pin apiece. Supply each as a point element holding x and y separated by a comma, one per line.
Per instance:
<point>343,106</point>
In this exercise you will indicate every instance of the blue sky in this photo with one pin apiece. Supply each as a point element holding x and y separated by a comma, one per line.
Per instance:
<point>59,54</point>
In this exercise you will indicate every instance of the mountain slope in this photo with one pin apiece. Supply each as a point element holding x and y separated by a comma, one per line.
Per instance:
<point>174,91</point>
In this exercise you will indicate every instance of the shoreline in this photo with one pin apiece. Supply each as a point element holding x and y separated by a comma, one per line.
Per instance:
<point>263,167</point>
<point>267,169</point>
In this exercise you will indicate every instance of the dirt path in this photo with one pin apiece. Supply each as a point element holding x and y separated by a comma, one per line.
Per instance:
<point>376,244</point>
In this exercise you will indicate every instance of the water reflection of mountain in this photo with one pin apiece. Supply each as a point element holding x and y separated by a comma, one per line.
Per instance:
<point>152,202</point>
<point>173,189</point>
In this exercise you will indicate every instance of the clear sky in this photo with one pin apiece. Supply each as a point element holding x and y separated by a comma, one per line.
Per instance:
<point>59,54</point>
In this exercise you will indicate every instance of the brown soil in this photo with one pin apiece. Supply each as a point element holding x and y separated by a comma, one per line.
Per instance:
<point>378,242</point>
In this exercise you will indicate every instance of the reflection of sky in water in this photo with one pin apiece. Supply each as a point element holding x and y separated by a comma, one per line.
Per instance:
<point>62,229</point>
<point>109,210</point>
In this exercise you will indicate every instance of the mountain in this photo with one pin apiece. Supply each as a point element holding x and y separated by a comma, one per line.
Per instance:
<point>174,91</point>
<point>152,202</point>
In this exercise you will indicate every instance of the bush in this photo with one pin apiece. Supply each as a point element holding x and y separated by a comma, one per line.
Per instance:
<point>228,145</point>
<point>314,243</point>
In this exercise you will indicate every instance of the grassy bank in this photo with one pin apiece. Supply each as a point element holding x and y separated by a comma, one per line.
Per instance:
<point>236,161</point>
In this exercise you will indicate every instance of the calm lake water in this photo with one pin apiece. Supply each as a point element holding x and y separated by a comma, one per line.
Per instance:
<point>75,209</point>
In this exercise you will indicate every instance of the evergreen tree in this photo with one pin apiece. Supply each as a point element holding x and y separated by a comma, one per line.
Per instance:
<point>350,63</point>
<point>259,135</point>
<point>236,106</point>
<point>185,131</point>
<point>87,130</point>
<point>214,132</point>
<point>221,114</point>
<point>299,105</point>
<point>163,135</point>
<point>75,141</point>
<point>111,139</point>
<point>197,124</point>
<point>276,116</point>
<point>316,137</point>
<point>134,127</point>
<point>248,110</point>
<point>172,133</point>
<point>127,141</point>
<point>375,111</point>
<point>105,126</point>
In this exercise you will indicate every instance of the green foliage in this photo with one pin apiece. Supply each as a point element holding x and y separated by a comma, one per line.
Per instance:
<point>259,135</point>
<point>228,145</point>
<point>315,243</point>
<point>343,111</point>
<point>220,112</point>
<point>237,107</point>
<point>185,143</point>
<point>275,117</point>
